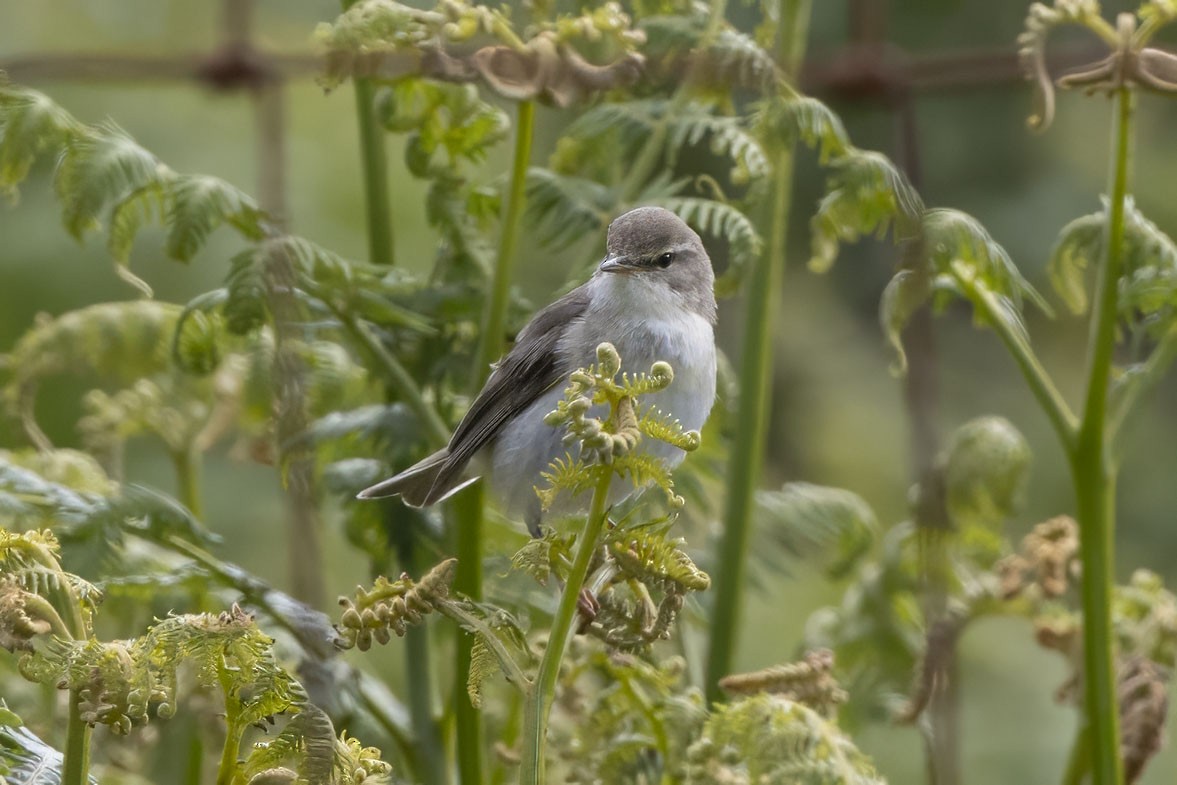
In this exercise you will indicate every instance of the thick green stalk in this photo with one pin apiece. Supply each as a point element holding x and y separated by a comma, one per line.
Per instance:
<point>227,771</point>
<point>755,384</point>
<point>374,162</point>
<point>465,511</point>
<point>1094,475</point>
<point>467,506</point>
<point>186,462</point>
<point>538,701</point>
<point>1079,763</point>
<point>76,767</point>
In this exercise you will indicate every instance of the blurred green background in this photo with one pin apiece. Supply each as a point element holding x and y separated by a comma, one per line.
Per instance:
<point>838,415</point>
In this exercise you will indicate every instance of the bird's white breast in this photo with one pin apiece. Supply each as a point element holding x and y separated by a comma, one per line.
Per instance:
<point>646,323</point>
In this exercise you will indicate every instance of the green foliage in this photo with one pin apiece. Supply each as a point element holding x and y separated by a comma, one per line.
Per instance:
<point>771,739</point>
<point>638,717</point>
<point>24,758</point>
<point>806,520</point>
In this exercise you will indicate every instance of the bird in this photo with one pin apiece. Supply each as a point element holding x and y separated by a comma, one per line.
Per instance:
<point>653,298</point>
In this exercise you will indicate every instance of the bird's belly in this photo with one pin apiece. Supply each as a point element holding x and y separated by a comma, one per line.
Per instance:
<point>527,446</point>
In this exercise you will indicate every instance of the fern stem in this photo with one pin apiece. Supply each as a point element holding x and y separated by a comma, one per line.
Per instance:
<point>76,766</point>
<point>1094,475</point>
<point>465,514</point>
<point>1050,400</point>
<point>467,508</point>
<point>539,699</point>
<point>186,462</point>
<point>755,386</point>
<point>227,770</point>
<point>374,160</point>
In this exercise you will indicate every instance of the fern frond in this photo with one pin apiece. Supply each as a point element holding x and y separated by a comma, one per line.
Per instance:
<point>98,169</point>
<point>957,244</point>
<point>1148,285</point>
<point>727,135</point>
<point>644,469</point>
<point>768,738</point>
<point>390,606</point>
<point>24,758</point>
<point>658,425</point>
<point>736,58</point>
<point>653,558</point>
<point>564,208</point>
<point>865,194</point>
<point>816,522</point>
<point>783,118</point>
<point>198,204</point>
<point>1040,20</point>
<point>542,556</point>
<point>573,476</point>
<point>722,221</point>
<point>119,341</point>
<point>31,125</point>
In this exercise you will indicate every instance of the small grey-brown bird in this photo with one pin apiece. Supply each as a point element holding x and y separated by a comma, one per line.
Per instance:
<point>653,298</point>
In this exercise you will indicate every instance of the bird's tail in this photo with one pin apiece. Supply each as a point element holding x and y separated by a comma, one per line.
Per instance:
<point>413,484</point>
<point>416,485</point>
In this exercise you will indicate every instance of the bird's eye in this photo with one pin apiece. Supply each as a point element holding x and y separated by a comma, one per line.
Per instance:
<point>664,260</point>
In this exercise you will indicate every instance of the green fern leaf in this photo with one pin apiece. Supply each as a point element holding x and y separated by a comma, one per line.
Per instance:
<point>768,738</point>
<point>865,195</point>
<point>814,522</point>
<point>780,120</point>
<point>198,205</point>
<point>31,125</point>
<point>958,245</point>
<point>98,169</point>
<point>564,208</point>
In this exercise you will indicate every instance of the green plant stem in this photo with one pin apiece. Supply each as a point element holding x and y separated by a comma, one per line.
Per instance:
<point>374,162</point>
<point>1094,476</point>
<point>186,462</point>
<point>1062,419</point>
<point>1079,762</point>
<point>465,512</point>
<point>227,770</point>
<point>467,507</point>
<point>755,385</point>
<point>76,766</point>
<point>538,702</point>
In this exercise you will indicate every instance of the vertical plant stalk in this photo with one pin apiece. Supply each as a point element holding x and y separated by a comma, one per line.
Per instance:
<point>431,768</point>
<point>76,762</point>
<point>186,462</point>
<point>374,162</point>
<point>1094,475</point>
<point>76,768</point>
<point>538,701</point>
<point>755,384</point>
<point>467,506</point>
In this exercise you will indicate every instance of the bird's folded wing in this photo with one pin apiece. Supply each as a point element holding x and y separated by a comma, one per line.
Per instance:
<point>529,370</point>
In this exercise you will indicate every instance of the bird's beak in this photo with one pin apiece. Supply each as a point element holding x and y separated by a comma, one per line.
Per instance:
<point>616,264</point>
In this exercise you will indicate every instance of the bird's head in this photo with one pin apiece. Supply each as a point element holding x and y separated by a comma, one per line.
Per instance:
<point>655,246</point>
